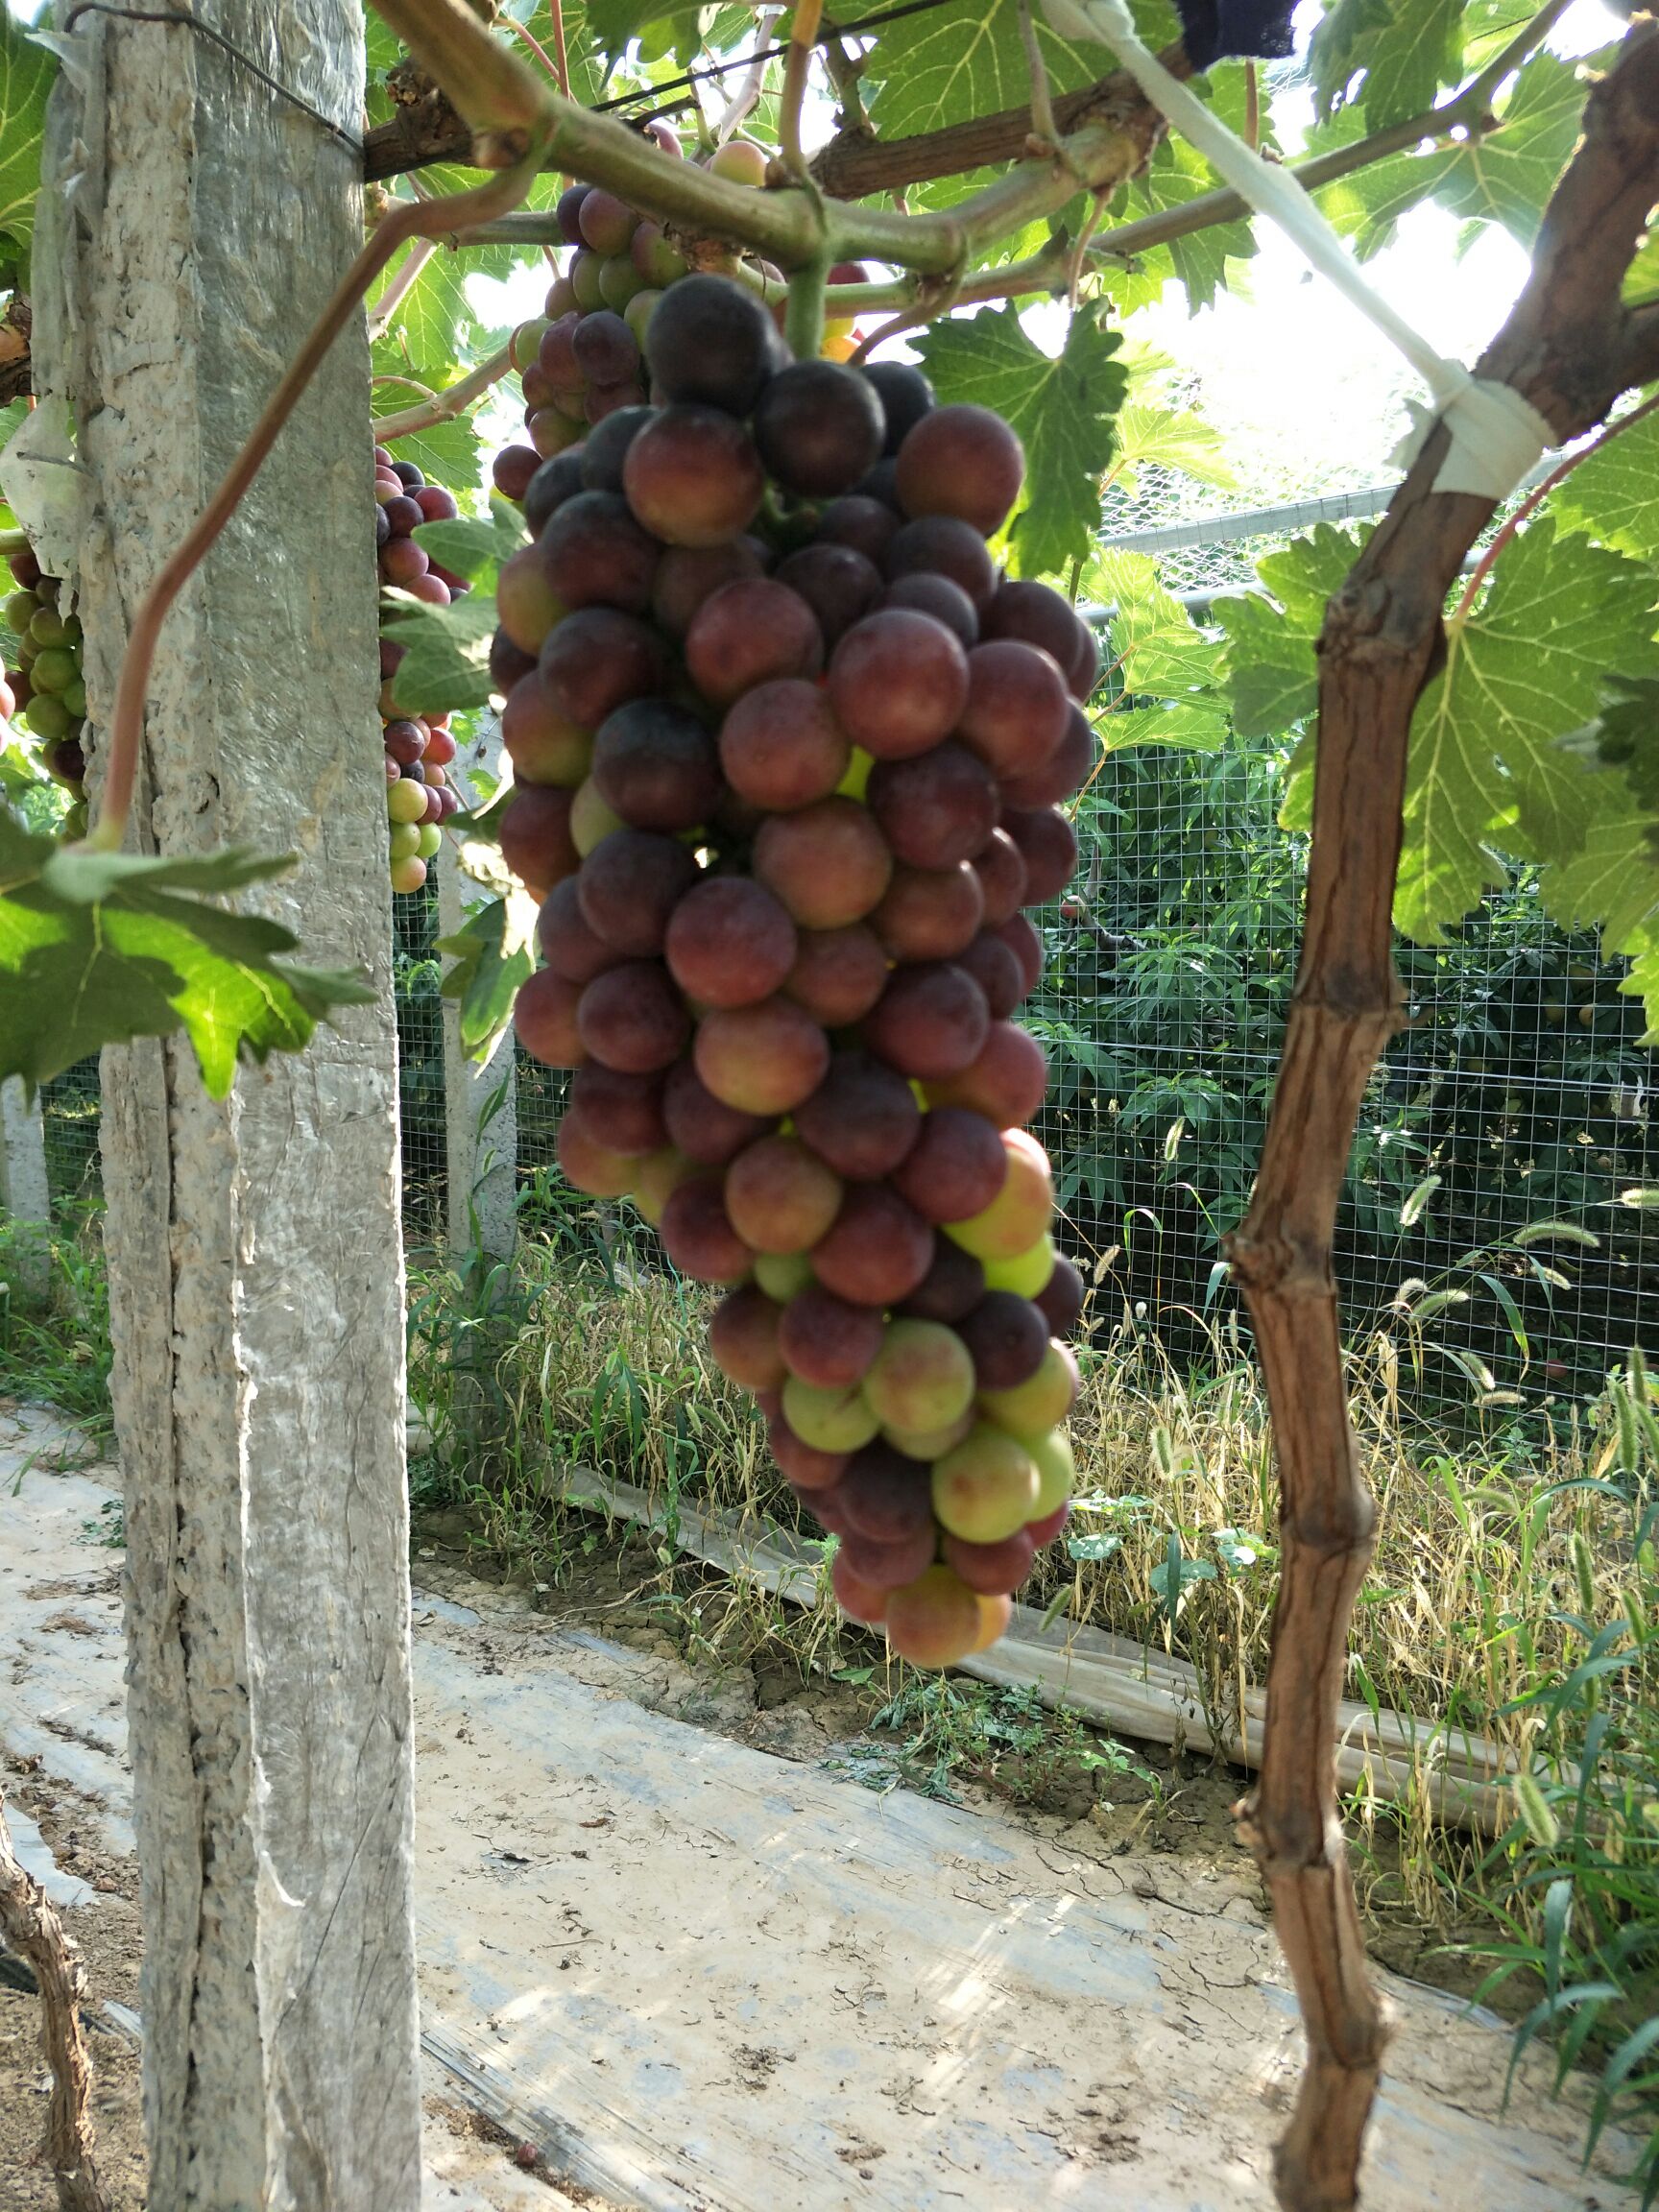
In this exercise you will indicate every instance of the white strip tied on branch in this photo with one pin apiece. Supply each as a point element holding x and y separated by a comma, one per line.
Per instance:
<point>1497,438</point>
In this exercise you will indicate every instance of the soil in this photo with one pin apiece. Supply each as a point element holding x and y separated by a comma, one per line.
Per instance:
<point>107,1932</point>
<point>613,1582</point>
<point>733,1671</point>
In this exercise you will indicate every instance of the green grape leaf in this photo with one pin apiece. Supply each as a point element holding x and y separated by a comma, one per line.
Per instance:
<point>433,322</point>
<point>447,453</point>
<point>447,658</point>
<point>26,73</point>
<point>474,547</point>
<point>1178,173</point>
<point>1626,736</point>
<point>1505,176</point>
<point>1161,655</point>
<point>1170,438</point>
<point>1614,496</point>
<point>1404,51</point>
<point>612,23</point>
<point>494,952</point>
<point>948,64</point>
<point>1271,669</point>
<point>1611,883</point>
<point>1063,407</point>
<point>98,948</point>
<point>1486,769</point>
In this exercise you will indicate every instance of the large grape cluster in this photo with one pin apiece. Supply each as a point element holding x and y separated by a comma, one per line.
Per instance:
<point>418,747</point>
<point>791,757</point>
<point>581,359</point>
<point>46,689</point>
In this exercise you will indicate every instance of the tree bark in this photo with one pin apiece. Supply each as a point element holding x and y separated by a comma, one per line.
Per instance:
<point>193,226</point>
<point>1565,347</point>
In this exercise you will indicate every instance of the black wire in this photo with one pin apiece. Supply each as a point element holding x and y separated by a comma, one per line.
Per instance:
<point>719,69</point>
<point>206,31</point>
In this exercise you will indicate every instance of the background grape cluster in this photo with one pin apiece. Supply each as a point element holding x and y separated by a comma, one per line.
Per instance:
<point>45,689</point>
<point>791,757</point>
<point>418,747</point>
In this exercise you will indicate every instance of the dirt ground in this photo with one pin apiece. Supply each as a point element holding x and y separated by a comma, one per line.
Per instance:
<point>1143,1843</point>
<point>1170,1803</point>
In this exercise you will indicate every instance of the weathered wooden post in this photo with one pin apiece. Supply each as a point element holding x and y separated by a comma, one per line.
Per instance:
<point>194,220</point>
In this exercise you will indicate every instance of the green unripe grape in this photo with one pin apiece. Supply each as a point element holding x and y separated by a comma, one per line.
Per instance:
<point>406,799</point>
<point>25,652</point>
<point>740,160</point>
<point>781,1274</point>
<point>584,271</point>
<point>72,631</point>
<point>404,843</point>
<point>658,262</point>
<point>431,839</point>
<point>638,312</point>
<point>74,697</point>
<point>20,609</point>
<point>47,627</point>
<point>619,281</point>
<point>53,669</point>
<point>75,821</point>
<point>47,718</point>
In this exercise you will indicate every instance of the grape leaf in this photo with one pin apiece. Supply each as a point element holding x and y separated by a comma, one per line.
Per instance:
<point>474,548</point>
<point>446,655</point>
<point>26,73</point>
<point>1271,669</point>
<point>612,23</point>
<point>494,952</point>
<point>1626,736</point>
<point>1178,173</point>
<point>445,453</point>
<point>1365,208</point>
<point>1505,176</point>
<point>1161,655</point>
<point>1525,668</point>
<point>1063,407</point>
<point>1169,437</point>
<point>948,64</point>
<point>98,948</point>
<point>1403,52</point>
<point>1612,881</point>
<point>1615,494</point>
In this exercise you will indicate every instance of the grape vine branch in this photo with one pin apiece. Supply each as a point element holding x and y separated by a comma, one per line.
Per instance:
<point>1570,349</point>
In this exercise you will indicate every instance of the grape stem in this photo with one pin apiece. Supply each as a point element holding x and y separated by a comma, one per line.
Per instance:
<point>797,62</point>
<point>790,225</point>
<point>804,316</point>
<point>444,406</point>
<point>409,220</point>
<point>386,308</point>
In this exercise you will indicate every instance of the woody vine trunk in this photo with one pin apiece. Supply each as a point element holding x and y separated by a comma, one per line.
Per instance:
<point>1570,347</point>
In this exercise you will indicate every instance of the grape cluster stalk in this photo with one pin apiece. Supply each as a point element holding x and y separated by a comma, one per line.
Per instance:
<point>790,760</point>
<point>420,748</point>
<point>46,689</point>
<point>581,359</point>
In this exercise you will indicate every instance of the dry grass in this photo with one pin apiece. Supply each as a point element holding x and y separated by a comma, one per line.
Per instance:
<point>1494,1549</point>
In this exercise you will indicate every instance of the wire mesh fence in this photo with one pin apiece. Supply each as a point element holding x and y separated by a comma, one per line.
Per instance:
<point>1492,1224</point>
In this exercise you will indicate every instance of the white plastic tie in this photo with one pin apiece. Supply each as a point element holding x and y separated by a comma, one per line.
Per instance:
<point>1495,437</point>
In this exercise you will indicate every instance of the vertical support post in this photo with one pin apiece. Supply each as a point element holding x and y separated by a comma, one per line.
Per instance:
<point>24,1189</point>
<point>480,1113</point>
<point>194,222</point>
